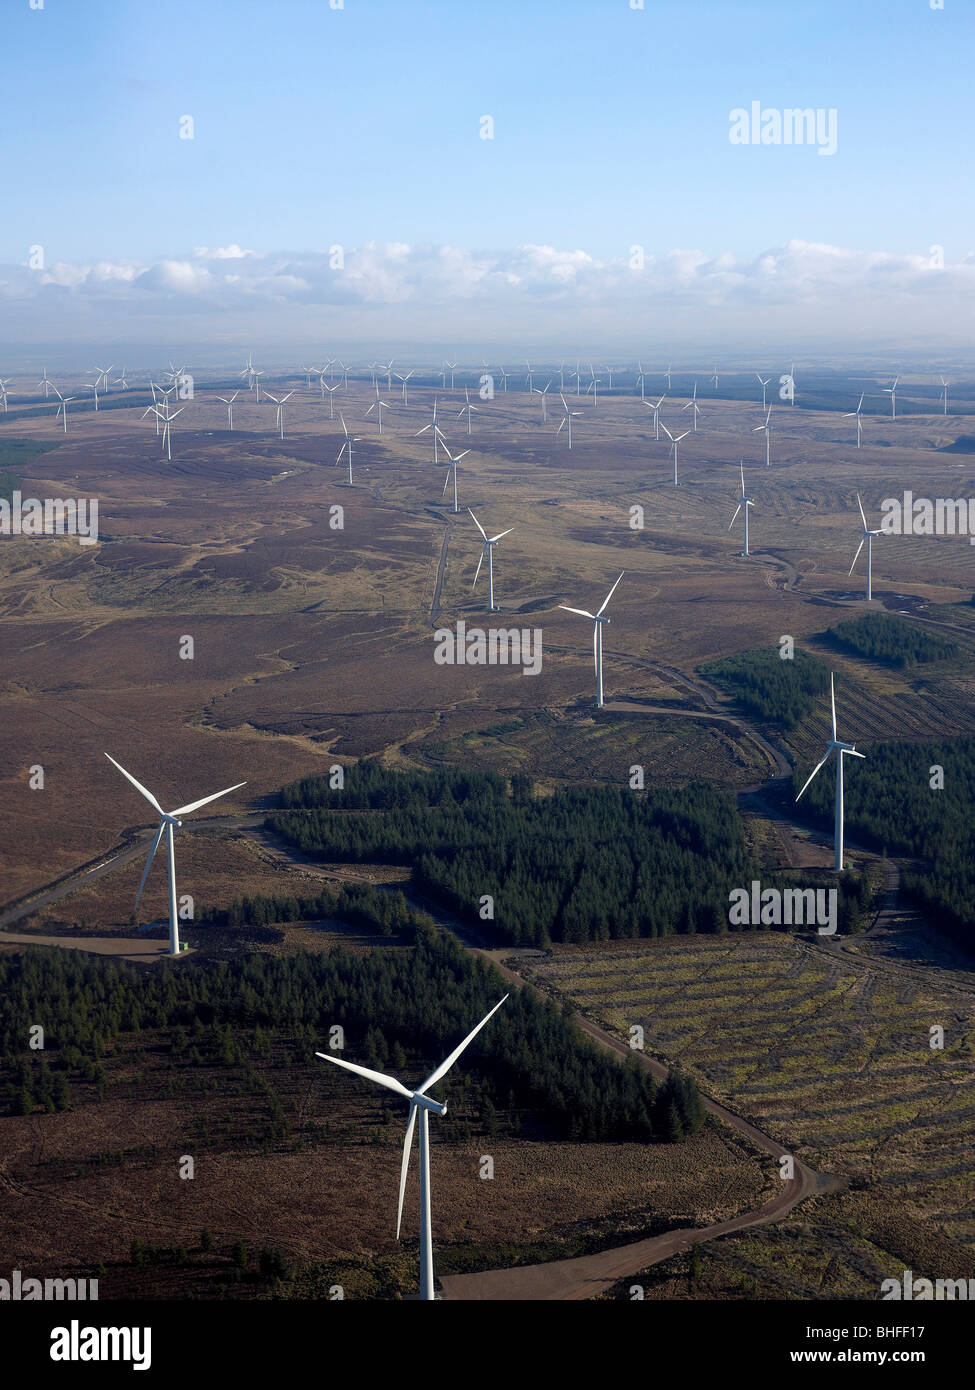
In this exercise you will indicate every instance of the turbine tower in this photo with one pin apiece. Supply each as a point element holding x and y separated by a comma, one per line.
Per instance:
<point>693,405</point>
<point>891,391</point>
<point>467,407</point>
<point>597,637</point>
<point>170,819</point>
<point>567,418</point>
<point>437,433</point>
<point>867,536</point>
<point>229,403</point>
<point>744,502</point>
<point>279,412</point>
<point>378,406</point>
<point>763,381</point>
<point>944,394</point>
<point>419,1101</point>
<point>349,441</point>
<point>488,549</point>
<point>840,748</point>
<point>655,407</point>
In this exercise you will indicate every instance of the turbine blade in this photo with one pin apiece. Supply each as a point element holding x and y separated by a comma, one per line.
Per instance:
<point>478,524</point>
<point>812,774</point>
<point>862,517</point>
<point>478,570</point>
<point>856,556</point>
<point>581,611</point>
<point>145,871</point>
<point>502,533</point>
<point>195,805</point>
<point>448,1062</point>
<point>389,1082</point>
<point>609,595</point>
<point>405,1166</point>
<point>138,785</point>
<point>735,517</point>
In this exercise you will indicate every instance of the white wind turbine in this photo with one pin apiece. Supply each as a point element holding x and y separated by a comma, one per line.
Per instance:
<point>331,398</point>
<point>867,536</point>
<point>256,384</point>
<point>229,403</point>
<point>656,413</point>
<point>419,1101</point>
<point>567,418</point>
<point>744,501</point>
<point>763,381</point>
<point>715,377</point>
<point>840,748</point>
<point>488,549</point>
<point>848,414</point>
<point>641,377</point>
<point>597,637</point>
<point>891,391</point>
<point>62,409</point>
<point>404,379</point>
<point>693,405</point>
<point>767,428</point>
<point>675,443</point>
<point>167,420</point>
<point>450,367</point>
<point>101,375</point>
<point>349,441</point>
<point>528,379</point>
<point>437,432</point>
<point>122,381</point>
<point>667,375</point>
<point>944,394</point>
<point>467,407</point>
<point>379,406</point>
<point>541,396</point>
<point>46,382</point>
<point>309,373</point>
<point>93,386</point>
<point>3,393</point>
<point>504,378</point>
<point>279,409</point>
<point>170,819</point>
<point>452,469</point>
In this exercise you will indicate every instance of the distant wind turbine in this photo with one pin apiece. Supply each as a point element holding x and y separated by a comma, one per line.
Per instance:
<point>766,426</point>
<point>467,407</point>
<point>693,405</point>
<point>848,414</point>
<point>656,413</point>
<point>229,403</point>
<point>437,432</point>
<point>170,819</point>
<point>488,549</point>
<point>675,441</point>
<point>944,394</point>
<point>404,380</point>
<point>452,469</point>
<point>891,391</point>
<point>867,536</point>
<point>279,409</point>
<point>744,501</point>
<point>62,409</point>
<point>840,748</point>
<point>419,1101</point>
<point>347,446</point>
<point>378,406</point>
<point>567,418</point>
<point>763,381</point>
<point>597,619</point>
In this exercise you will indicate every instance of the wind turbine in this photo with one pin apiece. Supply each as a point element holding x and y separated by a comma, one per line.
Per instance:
<point>379,406</point>
<point>715,377</point>
<point>101,375</point>
<point>763,381</point>
<point>170,819</point>
<point>404,380</point>
<point>349,441</point>
<point>93,386</point>
<point>46,382</point>
<point>944,394</point>
<point>528,378</point>
<point>593,387</point>
<point>850,413</point>
<point>488,549</point>
<point>744,501</point>
<point>667,375</point>
<point>675,443</point>
<point>229,403</point>
<point>450,366</point>
<point>767,429</point>
<point>656,414</point>
<point>693,405</point>
<point>840,748</point>
<point>167,420</point>
<point>437,432</point>
<point>541,396</point>
<point>256,384</point>
<point>122,381</point>
<point>597,637</point>
<point>867,536</point>
<point>504,379</point>
<point>3,394</point>
<point>419,1101</point>
<point>331,398</point>
<point>641,377</point>
<point>279,413</point>
<point>62,409</point>
<point>891,391</point>
<point>468,408</point>
<point>452,468</point>
<point>309,373</point>
<point>566,419</point>
<point>248,372</point>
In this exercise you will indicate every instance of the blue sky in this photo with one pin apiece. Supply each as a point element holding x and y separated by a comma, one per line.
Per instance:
<point>316,127</point>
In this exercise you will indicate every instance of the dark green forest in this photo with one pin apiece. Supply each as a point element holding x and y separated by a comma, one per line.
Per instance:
<point>891,640</point>
<point>777,691</point>
<point>891,804</point>
<point>532,1054</point>
<point>581,865</point>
